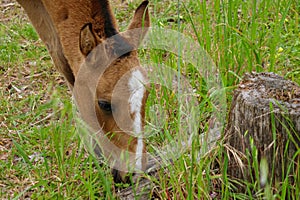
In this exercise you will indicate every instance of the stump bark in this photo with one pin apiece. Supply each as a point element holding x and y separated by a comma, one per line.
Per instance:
<point>264,121</point>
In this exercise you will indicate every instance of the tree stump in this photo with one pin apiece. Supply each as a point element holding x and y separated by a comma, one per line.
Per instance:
<point>264,122</point>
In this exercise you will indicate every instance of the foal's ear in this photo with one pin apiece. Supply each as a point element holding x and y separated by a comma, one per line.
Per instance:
<point>141,17</point>
<point>87,40</point>
<point>139,25</point>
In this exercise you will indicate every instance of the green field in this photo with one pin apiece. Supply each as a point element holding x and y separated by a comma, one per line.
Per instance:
<point>41,155</point>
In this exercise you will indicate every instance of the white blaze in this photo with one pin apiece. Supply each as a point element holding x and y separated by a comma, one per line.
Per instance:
<point>137,90</point>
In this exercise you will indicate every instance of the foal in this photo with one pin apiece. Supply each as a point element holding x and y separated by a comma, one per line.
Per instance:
<point>72,30</point>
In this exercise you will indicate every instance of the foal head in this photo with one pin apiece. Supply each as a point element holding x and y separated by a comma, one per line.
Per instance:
<point>120,96</point>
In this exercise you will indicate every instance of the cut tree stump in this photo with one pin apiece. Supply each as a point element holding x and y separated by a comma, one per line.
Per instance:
<point>264,122</point>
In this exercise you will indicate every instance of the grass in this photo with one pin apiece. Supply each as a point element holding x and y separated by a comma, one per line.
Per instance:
<point>42,156</point>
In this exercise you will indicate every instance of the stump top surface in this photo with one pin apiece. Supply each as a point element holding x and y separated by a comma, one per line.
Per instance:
<point>262,88</point>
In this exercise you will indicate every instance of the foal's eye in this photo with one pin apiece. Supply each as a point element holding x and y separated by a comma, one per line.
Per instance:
<point>105,106</point>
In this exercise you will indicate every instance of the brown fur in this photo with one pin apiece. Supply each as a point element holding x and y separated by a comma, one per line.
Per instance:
<point>71,29</point>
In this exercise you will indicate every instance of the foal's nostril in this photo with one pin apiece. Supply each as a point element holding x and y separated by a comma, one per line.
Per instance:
<point>120,177</point>
<point>123,177</point>
<point>116,176</point>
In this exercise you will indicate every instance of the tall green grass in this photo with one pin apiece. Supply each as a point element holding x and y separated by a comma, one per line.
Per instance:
<point>42,155</point>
